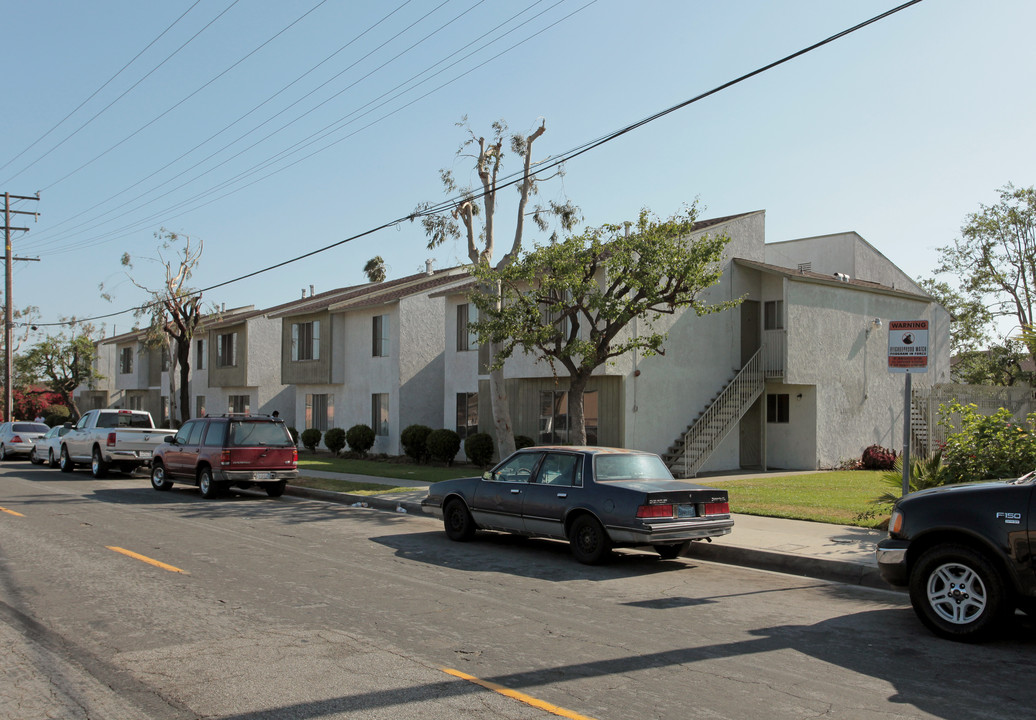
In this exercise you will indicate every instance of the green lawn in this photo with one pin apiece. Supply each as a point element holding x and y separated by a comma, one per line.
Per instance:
<point>840,497</point>
<point>381,468</point>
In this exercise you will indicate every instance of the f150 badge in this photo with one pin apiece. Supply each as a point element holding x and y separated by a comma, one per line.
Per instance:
<point>1010,518</point>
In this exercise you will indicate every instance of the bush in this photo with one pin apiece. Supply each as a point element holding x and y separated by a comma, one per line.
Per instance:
<point>294,435</point>
<point>413,439</point>
<point>311,438</point>
<point>523,441</point>
<point>443,445</point>
<point>878,458</point>
<point>479,448</point>
<point>987,446</point>
<point>334,440</point>
<point>57,415</point>
<point>360,438</point>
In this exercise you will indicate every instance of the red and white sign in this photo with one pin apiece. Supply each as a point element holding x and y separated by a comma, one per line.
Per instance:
<point>908,346</point>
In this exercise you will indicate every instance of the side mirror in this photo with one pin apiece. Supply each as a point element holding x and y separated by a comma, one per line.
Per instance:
<point>487,475</point>
<point>68,425</point>
<point>171,439</point>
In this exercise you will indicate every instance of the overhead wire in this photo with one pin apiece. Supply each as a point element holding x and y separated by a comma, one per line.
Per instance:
<point>542,167</point>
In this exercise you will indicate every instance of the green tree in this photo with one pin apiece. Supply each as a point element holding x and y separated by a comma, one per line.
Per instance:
<point>63,362</point>
<point>375,269</point>
<point>569,302</point>
<point>994,264</point>
<point>471,214</point>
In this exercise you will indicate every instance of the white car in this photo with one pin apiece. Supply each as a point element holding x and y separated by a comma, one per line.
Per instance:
<point>16,438</point>
<point>47,449</point>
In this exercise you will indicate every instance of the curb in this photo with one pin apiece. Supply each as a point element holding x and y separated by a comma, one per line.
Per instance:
<point>839,571</point>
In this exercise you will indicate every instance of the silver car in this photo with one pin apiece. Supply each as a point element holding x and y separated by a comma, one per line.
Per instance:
<point>16,438</point>
<point>47,449</point>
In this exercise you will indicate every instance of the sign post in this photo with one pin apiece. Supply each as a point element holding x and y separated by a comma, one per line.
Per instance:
<point>908,354</point>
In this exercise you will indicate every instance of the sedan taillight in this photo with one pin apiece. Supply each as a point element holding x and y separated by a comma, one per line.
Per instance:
<point>717,508</point>
<point>16,439</point>
<point>655,511</point>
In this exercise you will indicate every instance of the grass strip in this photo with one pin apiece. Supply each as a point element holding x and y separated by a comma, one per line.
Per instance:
<point>347,486</point>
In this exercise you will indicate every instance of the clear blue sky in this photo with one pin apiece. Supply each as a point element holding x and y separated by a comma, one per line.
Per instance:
<point>897,131</point>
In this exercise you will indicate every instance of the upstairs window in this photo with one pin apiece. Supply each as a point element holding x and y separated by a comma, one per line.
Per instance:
<point>379,336</point>
<point>126,360</point>
<point>305,341</point>
<point>226,350</point>
<point>199,358</point>
<point>467,339</point>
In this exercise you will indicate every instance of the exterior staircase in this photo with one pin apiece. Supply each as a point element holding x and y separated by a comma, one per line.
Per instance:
<point>690,451</point>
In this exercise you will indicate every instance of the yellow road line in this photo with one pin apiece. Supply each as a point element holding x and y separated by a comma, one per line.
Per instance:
<point>145,558</point>
<point>11,512</point>
<point>515,695</point>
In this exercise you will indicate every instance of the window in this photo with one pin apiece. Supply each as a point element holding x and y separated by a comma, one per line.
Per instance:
<point>467,339</point>
<point>380,413</point>
<point>554,423</point>
<point>379,346</point>
<point>183,435</point>
<point>305,341</point>
<point>164,412</point>
<point>238,403</point>
<point>199,357</point>
<point>199,406</point>
<point>773,315</point>
<point>320,411</point>
<point>518,468</point>
<point>553,314</point>
<point>226,350</point>
<point>561,469</point>
<point>165,358</point>
<point>216,434</point>
<point>135,402</point>
<point>197,430</point>
<point>777,408</point>
<point>467,414</point>
<point>126,360</point>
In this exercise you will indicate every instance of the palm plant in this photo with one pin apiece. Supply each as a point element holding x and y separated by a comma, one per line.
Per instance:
<point>925,473</point>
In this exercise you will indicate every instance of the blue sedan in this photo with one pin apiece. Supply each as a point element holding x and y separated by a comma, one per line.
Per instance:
<point>596,498</point>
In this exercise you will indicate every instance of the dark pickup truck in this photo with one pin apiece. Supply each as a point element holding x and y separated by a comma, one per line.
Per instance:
<point>966,554</point>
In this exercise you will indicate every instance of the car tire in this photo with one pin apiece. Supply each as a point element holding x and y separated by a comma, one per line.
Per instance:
<point>158,479</point>
<point>209,488</point>
<point>33,458</point>
<point>51,460</point>
<point>958,593</point>
<point>457,521</point>
<point>3,453</point>
<point>589,540</point>
<point>275,489</point>
<point>65,462</point>
<point>98,467</point>
<point>670,552</point>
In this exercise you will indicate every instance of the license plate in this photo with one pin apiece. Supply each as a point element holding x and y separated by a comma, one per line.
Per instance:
<point>145,453</point>
<point>686,511</point>
<point>262,476</point>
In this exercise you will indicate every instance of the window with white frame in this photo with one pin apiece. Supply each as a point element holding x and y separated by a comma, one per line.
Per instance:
<point>777,408</point>
<point>467,414</point>
<point>226,350</point>
<point>379,336</point>
<point>467,339</point>
<point>135,402</point>
<point>555,425</point>
<point>239,403</point>
<point>380,413</point>
<point>320,411</point>
<point>126,360</point>
<point>199,356</point>
<point>305,341</point>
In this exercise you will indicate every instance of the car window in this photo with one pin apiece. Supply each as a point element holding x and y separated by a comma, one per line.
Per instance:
<point>631,467</point>
<point>196,432</point>
<point>31,427</point>
<point>216,434</point>
<point>561,469</point>
<point>246,434</point>
<point>517,468</point>
<point>183,435</point>
<point>53,431</point>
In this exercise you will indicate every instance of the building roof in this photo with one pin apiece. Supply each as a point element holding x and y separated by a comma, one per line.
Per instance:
<point>823,279</point>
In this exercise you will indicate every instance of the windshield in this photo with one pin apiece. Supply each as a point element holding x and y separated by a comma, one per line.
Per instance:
<point>631,467</point>
<point>246,434</point>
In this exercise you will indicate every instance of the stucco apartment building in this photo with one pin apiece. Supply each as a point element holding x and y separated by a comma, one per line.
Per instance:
<point>794,377</point>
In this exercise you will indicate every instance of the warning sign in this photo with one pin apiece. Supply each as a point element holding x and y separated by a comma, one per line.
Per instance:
<point>908,346</point>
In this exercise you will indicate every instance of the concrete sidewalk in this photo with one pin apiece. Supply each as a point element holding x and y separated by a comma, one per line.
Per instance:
<point>817,550</point>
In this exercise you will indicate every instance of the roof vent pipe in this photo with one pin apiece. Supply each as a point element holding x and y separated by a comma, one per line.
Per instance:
<point>311,293</point>
<point>842,277</point>
<point>428,266</point>
<point>303,293</point>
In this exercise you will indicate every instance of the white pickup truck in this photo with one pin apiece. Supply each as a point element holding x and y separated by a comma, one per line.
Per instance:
<point>111,440</point>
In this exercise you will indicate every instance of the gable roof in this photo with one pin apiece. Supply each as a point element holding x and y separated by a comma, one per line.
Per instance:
<point>822,279</point>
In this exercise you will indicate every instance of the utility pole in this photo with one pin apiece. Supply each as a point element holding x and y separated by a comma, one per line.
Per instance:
<point>8,304</point>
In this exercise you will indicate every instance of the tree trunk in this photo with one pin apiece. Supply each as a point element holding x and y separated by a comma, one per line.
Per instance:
<point>502,427</point>
<point>183,350</point>
<point>576,416</point>
<point>170,347</point>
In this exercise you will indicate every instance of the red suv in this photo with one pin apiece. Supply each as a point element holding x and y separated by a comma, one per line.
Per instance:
<point>221,451</point>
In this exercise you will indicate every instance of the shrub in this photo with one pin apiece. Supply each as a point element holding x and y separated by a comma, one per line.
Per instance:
<point>360,438</point>
<point>523,441</point>
<point>987,446</point>
<point>878,458</point>
<point>57,415</point>
<point>925,473</point>
<point>311,438</point>
<point>294,435</point>
<point>479,448</point>
<point>334,439</point>
<point>413,439</point>
<point>443,445</point>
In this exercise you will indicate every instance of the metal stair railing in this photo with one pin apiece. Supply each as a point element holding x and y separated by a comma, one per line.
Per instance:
<point>723,415</point>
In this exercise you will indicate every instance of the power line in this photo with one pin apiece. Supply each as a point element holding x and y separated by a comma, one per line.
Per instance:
<point>543,167</point>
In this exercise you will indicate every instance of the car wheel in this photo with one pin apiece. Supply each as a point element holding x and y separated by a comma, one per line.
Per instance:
<point>958,594</point>
<point>32,456</point>
<point>158,481</point>
<point>3,452</point>
<point>51,460</point>
<point>590,542</point>
<point>209,488</point>
<point>275,489</point>
<point>670,552</point>
<point>456,519</point>
<point>65,462</point>
<point>98,468</point>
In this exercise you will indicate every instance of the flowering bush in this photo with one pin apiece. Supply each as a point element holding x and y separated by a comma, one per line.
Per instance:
<point>987,446</point>
<point>878,458</point>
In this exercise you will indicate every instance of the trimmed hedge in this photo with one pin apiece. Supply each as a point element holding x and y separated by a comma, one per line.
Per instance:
<point>443,445</point>
<point>479,449</point>
<point>311,438</point>
<point>413,439</point>
<point>334,440</point>
<point>360,438</point>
